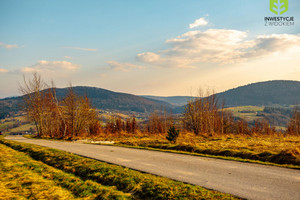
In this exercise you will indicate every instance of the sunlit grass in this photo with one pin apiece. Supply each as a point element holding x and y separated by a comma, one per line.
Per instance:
<point>19,182</point>
<point>246,108</point>
<point>22,128</point>
<point>236,111</point>
<point>277,149</point>
<point>24,177</point>
<point>6,125</point>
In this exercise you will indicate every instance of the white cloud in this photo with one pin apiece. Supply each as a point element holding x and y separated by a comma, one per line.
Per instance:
<point>82,49</point>
<point>8,46</point>
<point>125,67</point>
<point>274,44</point>
<point>199,22</point>
<point>69,57</point>
<point>3,70</point>
<point>49,66</point>
<point>157,60</point>
<point>148,57</point>
<point>220,46</point>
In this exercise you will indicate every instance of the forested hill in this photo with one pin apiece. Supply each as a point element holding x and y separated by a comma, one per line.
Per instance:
<point>100,98</point>
<point>267,93</point>
<point>109,100</point>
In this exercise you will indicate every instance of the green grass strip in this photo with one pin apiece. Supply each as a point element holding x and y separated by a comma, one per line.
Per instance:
<point>18,182</point>
<point>39,171</point>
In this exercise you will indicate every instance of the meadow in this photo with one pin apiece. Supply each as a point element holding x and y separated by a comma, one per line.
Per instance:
<point>248,113</point>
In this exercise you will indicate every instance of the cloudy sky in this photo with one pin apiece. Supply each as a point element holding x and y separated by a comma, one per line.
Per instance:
<point>157,47</point>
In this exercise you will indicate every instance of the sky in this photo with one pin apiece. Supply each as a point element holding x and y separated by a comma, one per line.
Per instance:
<point>157,47</point>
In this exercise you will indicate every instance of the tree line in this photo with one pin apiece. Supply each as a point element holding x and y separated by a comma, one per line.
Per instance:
<point>206,116</point>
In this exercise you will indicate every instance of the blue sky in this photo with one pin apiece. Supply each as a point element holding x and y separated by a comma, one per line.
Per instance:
<point>146,47</point>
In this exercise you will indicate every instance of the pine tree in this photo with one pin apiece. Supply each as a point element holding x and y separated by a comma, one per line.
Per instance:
<point>172,134</point>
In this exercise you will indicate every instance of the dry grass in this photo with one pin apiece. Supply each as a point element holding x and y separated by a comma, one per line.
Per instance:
<point>255,144</point>
<point>271,148</point>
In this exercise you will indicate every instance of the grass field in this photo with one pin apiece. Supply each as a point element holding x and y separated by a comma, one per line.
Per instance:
<point>247,113</point>
<point>33,172</point>
<point>17,124</point>
<point>6,125</point>
<point>277,149</point>
<point>22,128</point>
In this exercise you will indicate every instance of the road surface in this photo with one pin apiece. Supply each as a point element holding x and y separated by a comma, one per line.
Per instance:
<point>245,180</point>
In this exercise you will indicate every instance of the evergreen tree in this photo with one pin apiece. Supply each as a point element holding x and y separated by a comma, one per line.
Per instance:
<point>172,134</point>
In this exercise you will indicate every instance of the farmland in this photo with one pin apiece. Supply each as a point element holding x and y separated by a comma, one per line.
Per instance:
<point>16,124</point>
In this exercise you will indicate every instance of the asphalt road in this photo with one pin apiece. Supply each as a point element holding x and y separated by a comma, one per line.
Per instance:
<point>250,181</point>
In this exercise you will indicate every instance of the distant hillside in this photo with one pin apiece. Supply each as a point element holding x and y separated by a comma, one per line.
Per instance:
<point>174,100</point>
<point>100,98</point>
<point>109,100</point>
<point>263,94</point>
<point>267,93</point>
<point>8,106</point>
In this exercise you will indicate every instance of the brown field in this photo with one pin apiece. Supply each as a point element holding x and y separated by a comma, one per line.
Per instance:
<point>270,148</point>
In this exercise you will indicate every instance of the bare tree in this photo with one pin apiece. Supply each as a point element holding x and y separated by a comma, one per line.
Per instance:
<point>54,118</point>
<point>202,115</point>
<point>78,114</point>
<point>294,124</point>
<point>34,100</point>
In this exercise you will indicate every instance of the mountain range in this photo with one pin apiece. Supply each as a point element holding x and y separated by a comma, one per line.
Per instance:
<point>267,93</point>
